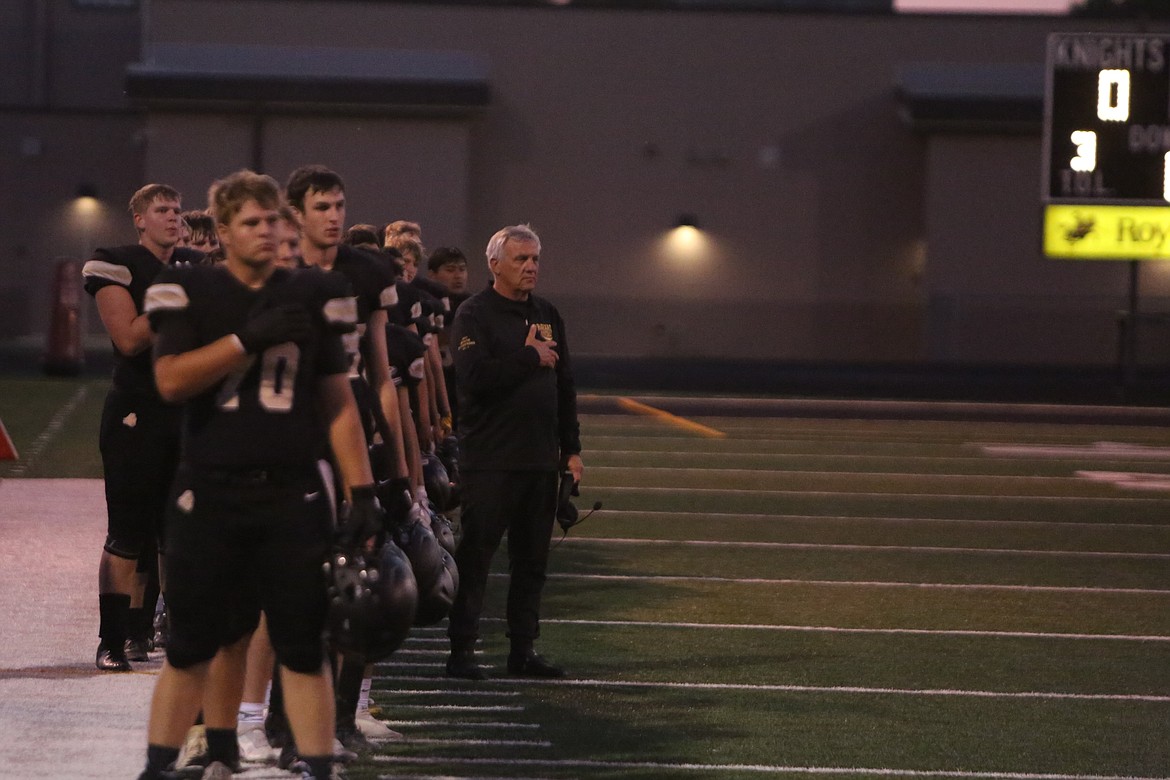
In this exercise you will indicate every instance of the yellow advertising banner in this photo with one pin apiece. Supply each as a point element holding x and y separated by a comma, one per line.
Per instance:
<point>1088,232</point>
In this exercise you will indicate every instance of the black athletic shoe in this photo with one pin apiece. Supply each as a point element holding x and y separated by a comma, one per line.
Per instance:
<point>138,649</point>
<point>531,664</point>
<point>161,629</point>
<point>462,664</point>
<point>352,739</point>
<point>112,660</point>
<point>289,757</point>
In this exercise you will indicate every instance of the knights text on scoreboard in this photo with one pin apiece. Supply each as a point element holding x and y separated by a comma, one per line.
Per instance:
<point>1107,146</point>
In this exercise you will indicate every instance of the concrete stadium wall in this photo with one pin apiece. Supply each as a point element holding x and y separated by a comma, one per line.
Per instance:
<point>836,232</point>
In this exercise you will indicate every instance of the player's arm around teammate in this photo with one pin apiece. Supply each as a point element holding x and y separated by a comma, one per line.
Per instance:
<point>251,351</point>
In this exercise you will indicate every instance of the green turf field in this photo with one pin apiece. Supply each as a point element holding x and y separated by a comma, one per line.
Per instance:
<point>54,425</point>
<point>853,598</point>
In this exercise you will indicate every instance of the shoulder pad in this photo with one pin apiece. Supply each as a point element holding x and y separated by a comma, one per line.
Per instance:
<point>164,296</point>
<point>107,271</point>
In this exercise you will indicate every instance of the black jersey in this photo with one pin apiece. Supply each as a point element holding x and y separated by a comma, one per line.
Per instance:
<point>372,279</point>
<point>132,268</point>
<point>405,349</point>
<point>514,414</point>
<point>266,414</point>
<point>439,292</point>
<point>409,309</point>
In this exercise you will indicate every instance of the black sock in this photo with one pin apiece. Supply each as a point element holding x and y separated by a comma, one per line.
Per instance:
<point>223,746</point>
<point>320,766</point>
<point>114,616</point>
<point>149,603</point>
<point>136,629</point>
<point>349,689</point>
<point>275,723</point>
<point>158,758</point>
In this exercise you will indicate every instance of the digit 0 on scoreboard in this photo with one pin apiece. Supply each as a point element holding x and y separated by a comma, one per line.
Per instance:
<point>1106,142</point>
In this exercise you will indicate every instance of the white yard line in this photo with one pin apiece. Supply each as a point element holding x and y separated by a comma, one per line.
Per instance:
<point>852,630</point>
<point>901,496</point>
<point>529,743</point>
<point>863,547</point>
<point>1059,481</point>
<point>655,514</point>
<point>819,689</point>
<point>443,692</point>
<point>756,768</point>
<point>462,724</point>
<point>451,707</point>
<point>1095,451</point>
<point>860,583</point>
<point>845,689</point>
<point>46,437</point>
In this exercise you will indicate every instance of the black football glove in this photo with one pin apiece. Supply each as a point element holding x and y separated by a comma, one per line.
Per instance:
<point>363,520</point>
<point>269,327</point>
<point>394,495</point>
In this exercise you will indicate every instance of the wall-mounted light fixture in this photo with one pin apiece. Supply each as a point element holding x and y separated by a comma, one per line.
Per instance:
<point>685,242</point>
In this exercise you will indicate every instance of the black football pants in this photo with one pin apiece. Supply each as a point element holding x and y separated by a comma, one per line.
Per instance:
<point>522,504</point>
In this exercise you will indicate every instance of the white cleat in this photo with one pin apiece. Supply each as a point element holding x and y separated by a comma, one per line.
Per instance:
<point>372,728</point>
<point>194,751</point>
<point>254,747</point>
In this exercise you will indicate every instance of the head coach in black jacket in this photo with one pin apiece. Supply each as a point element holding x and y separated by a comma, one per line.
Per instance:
<point>518,429</point>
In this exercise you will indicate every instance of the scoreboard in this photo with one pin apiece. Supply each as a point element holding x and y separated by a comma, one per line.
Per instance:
<point>1106,187</point>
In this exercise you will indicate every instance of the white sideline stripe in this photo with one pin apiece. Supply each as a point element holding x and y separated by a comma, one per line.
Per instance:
<point>462,724</point>
<point>758,768</point>
<point>405,665</point>
<point>862,583</point>
<point>409,651</point>
<point>845,630</point>
<point>848,689</point>
<point>45,437</point>
<point>871,494</point>
<point>866,547</point>
<point>653,513</point>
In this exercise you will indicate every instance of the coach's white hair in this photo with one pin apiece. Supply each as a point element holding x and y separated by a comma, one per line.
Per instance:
<point>495,247</point>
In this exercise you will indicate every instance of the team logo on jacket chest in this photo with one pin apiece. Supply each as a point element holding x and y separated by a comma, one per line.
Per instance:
<point>545,330</point>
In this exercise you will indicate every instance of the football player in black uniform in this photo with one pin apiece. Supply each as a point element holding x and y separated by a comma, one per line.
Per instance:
<point>139,436</point>
<point>318,196</point>
<point>447,265</point>
<point>518,426</point>
<point>253,353</point>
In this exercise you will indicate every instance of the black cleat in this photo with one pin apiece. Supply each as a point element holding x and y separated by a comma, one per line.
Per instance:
<point>161,629</point>
<point>353,740</point>
<point>138,649</point>
<point>531,664</point>
<point>111,660</point>
<point>462,664</point>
